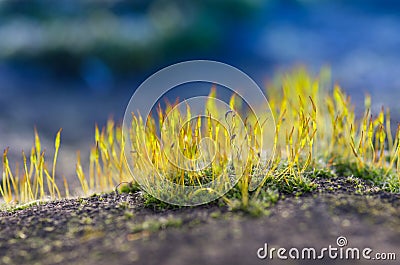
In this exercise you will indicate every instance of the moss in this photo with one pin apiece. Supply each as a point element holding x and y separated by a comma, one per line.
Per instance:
<point>321,172</point>
<point>153,225</point>
<point>309,147</point>
<point>24,206</point>
<point>255,208</point>
<point>128,215</point>
<point>270,196</point>
<point>291,184</point>
<point>384,179</point>
<point>215,214</point>
<point>156,204</point>
<point>123,205</point>
<point>131,187</point>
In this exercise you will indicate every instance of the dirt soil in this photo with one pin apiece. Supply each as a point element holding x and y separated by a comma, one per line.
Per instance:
<point>119,229</point>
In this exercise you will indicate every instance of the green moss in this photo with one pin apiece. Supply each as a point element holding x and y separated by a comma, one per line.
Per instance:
<point>291,184</point>
<point>131,187</point>
<point>128,215</point>
<point>269,196</point>
<point>255,208</point>
<point>24,206</point>
<point>152,202</point>
<point>123,205</point>
<point>386,180</point>
<point>321,172</point>
<point>153,225</point>
<point>215,214</point>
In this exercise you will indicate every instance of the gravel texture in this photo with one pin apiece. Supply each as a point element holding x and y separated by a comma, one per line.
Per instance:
<point>119,229</point>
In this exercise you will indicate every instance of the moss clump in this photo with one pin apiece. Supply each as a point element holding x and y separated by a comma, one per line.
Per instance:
<point>380,177</point>
<point>130,187</point>
<point>318,135</point>
<point>153,225</point>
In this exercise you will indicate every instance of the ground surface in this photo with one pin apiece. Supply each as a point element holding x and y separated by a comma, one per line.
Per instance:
<point>119,229</point>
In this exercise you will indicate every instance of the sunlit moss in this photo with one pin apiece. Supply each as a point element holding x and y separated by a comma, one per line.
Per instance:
<point>317,134</point>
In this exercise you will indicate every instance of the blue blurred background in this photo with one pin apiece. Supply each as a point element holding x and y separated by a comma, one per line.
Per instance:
<point>71,65</point>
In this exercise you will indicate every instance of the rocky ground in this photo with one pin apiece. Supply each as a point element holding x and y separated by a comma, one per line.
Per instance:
<point>120,229</point>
